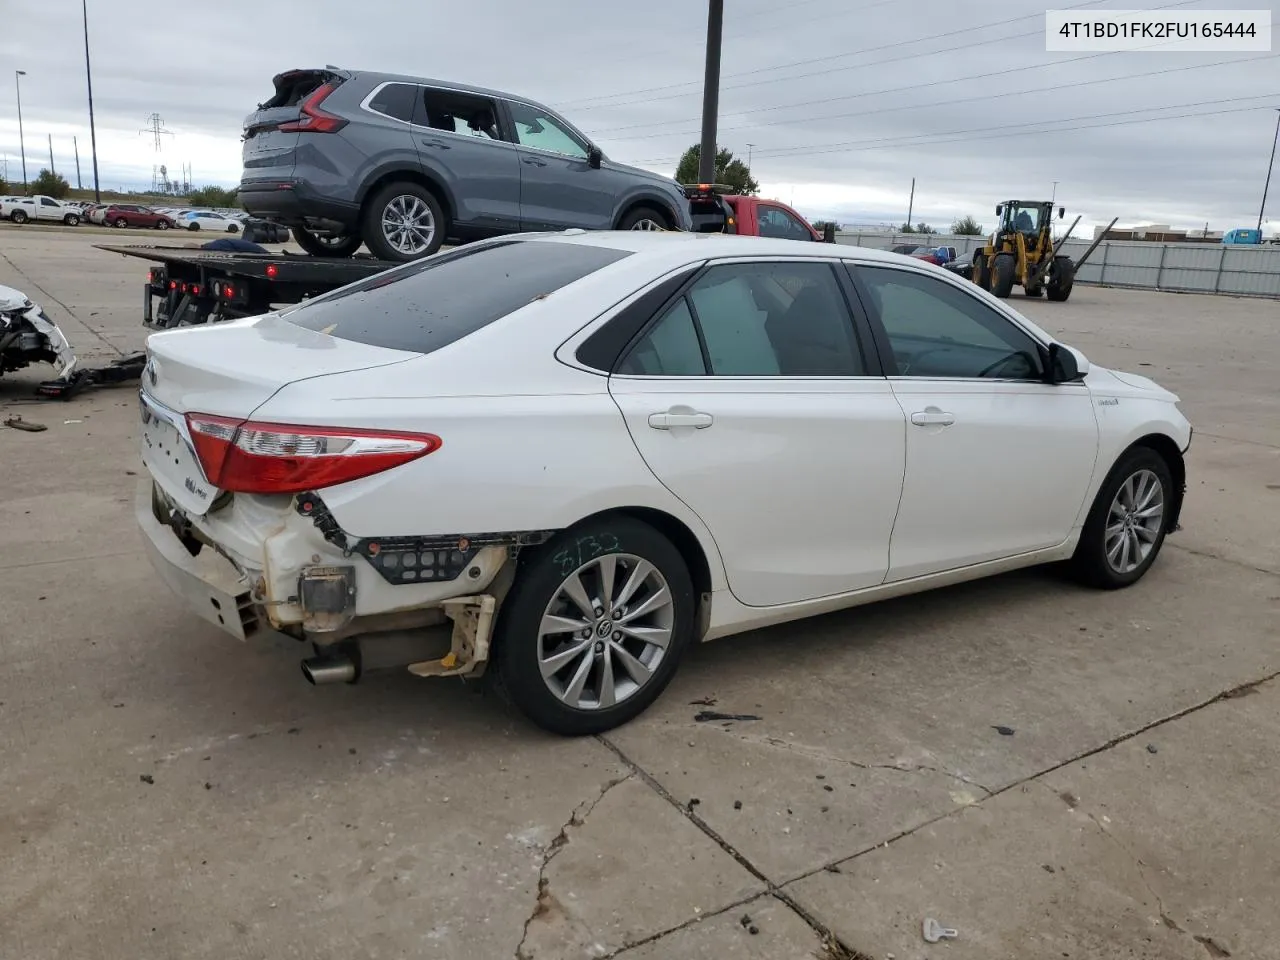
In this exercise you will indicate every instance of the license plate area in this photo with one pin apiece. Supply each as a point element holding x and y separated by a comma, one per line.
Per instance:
<point>171,461</point>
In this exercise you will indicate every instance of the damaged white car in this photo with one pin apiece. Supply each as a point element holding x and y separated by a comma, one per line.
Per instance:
<point>559,459</point>
<point>28,336</point>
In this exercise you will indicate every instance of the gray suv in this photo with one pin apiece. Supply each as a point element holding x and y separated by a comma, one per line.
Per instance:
<point>402,164</point>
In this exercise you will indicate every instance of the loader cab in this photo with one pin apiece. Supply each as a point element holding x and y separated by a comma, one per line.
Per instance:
<point>1032,219</point>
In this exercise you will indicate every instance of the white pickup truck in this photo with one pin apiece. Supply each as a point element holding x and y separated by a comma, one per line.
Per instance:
<point>39,207</point>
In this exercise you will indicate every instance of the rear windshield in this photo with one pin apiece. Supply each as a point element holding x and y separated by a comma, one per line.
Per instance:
<point>430,304</point>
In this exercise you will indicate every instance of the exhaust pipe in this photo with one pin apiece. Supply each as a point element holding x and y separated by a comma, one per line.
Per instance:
<point>321,670</point>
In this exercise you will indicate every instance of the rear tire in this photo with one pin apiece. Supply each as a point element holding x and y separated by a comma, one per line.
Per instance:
<point>645,218</point>
<point>402,222</point>
<point>617,559</point>
<point>1062,277</point>
<point>1002,275</point>
<point>19,216</point>
<point>317,246</point>
<point>1139,482</point>
<point>232,228</point>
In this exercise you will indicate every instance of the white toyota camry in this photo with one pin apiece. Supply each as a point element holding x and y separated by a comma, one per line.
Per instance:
<point>559,459</point>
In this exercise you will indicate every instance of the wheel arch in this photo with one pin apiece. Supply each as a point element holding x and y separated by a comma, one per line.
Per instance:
<point>1167,448</point>
<point>650,201</point>
<point>410,175</point>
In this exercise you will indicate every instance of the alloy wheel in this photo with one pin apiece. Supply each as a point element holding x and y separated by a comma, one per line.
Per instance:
<point>1134,521</point>
<point>408,224</point>
<point>647,224</point>
<point>605,631</point>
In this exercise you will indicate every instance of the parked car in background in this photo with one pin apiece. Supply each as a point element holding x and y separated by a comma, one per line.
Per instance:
<point>961,265</point>
<point>136,215</point>
<point>39,207</point>
<point>98,215</point>
<point>207,220</point>
<point>639,378</point>
<point>404,163</point>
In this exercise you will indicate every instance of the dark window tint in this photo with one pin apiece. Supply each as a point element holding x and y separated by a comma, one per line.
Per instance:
<point>395,100</point>
<point>669,349</point>
<point>46,202</point>
<point>779,319</point>
<point>937,330</point>
<point>426,305</point>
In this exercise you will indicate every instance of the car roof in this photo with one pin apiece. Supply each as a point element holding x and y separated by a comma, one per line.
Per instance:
<point>380,77</point>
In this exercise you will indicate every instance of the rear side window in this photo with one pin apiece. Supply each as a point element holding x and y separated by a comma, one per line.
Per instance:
<point>430,304</point>
<point>395,100</point>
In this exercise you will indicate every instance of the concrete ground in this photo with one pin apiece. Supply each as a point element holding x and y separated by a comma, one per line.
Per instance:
<point>171,793</point>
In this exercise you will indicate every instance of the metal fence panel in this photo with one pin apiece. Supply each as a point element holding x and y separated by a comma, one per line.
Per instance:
<point>1181,267</point>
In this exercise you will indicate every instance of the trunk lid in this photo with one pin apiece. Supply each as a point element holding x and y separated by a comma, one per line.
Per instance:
<point>268,150</point>
<point>229,370</point>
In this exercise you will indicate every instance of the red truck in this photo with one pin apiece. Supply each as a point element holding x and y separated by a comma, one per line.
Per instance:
<point>717,211</point>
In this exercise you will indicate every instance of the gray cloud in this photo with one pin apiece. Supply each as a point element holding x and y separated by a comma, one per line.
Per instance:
<point>630,76</point>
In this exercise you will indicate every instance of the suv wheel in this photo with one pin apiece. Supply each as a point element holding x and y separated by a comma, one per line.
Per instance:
<point>121,222</point>
<point>644,218</point>
<point>331,246</point>
<point>403,222</point>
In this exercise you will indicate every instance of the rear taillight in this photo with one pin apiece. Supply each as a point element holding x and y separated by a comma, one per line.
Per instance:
<point>313,119</point>
<point>245,456</point>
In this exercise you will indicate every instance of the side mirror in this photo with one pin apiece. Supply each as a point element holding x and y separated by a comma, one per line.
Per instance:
<point>999,209</point>
<point>594,157</point>
<point>1062,212</point>
<point>1066,364</point>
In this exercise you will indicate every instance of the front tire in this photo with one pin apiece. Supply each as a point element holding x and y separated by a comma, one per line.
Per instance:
<point>594,627</point>
<point>644,218</point>
<point>71,220</point>
<point>1002,275</point>
<point>162,225</point>
<point>317,246</point>
<point>403,222</point>
<point>120,223</point>
<point>193,226</point>
<point>1128,522</point>
<point>1062,277</point>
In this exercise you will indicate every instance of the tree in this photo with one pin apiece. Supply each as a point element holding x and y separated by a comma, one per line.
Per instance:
<point>923,227</point>
<point>4,186</point>
<point>213,196</point>
<point>967,227</point>
<point>51,184</point>
<point>821,225</point>
<point>906,228</point>
<point>729,170</point>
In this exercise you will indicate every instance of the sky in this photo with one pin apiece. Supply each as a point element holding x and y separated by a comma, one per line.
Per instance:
<point>838,103</point>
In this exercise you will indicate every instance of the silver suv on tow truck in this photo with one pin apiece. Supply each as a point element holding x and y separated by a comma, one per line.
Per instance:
<point>404,163</point>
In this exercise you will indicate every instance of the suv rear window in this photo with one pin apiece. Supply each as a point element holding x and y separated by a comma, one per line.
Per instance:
<point>427,305</point>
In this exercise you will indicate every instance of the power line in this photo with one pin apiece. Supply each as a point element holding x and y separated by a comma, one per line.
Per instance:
<point>928,139</point>
<point>575,104</point>
<point>940,103</point>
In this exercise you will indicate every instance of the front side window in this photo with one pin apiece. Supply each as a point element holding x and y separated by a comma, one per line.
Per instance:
<point>395,100</point>
<point>776,222</point>
<point>432,302</point>
<point>537,130</point>
<point>937,330</point>
<point>46,202</point>
<point>774,319</point>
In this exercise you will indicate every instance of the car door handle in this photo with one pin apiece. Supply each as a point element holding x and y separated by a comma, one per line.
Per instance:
<point>933,417</point>
<point>437,144</point>
<point>535,162</point>
<point>668,420</point>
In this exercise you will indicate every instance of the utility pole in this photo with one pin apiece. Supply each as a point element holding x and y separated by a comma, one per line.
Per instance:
<point>711,92</point>
<point>750,147</point>
<point>911,204</point>
<point>76,146</point>
<point>22,146</point>
<point>1055,193</point>
<point>88,76</point>
<point>1271,163</point>
<point>52,168</point>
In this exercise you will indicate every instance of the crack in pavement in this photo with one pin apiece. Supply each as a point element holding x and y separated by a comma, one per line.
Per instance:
<point>815,753</point>
<point>558,843</point>
<point>1227,560</point>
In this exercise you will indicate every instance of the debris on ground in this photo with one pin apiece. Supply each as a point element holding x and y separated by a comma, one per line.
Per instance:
<point>1151,748</point>
<point>1003,731</point>
<point>703,702</point>
<point>147,778</point>
<point>737,804</point>
<point>933,931</point>
<point>17,423</point>
<point>745,919</point>
<point>708,716</point>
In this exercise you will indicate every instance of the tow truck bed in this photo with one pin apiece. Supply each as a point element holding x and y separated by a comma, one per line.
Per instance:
<point>200,286</point>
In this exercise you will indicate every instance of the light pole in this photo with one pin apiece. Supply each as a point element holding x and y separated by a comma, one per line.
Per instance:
<point>1055,193</point>
<point>1271,163</point>
<point>711,93</point>
<point>88,76</point>
<point>22,147</point>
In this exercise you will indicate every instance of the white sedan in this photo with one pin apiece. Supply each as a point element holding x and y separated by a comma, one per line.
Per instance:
<point>207,220</point>
<point>562,458</point>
